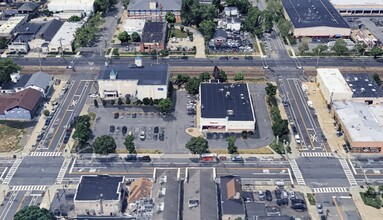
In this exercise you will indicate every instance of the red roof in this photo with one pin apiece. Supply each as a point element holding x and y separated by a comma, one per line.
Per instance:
<point>26,99</point>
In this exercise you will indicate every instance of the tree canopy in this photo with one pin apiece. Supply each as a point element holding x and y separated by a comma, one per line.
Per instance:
<point>34,213</point>
<point>193,12</point>
<point>207,28</point>
<point>318,50</point>
<point>231,148</point>
<point>271,89</point>
<point>135,37</point>
<point>192,86</point>
<point>340,47</point>
<point>284,27</point>
<point>74,18</point>
<point>197,145</point>
<point>376,51</point>
<point>3,42</point>
<point>129,144</point>
<point>104,145</point>
<point>7,67</point>
<point>242,5</point>
<point>170,17</point>
<point>103,5</point>
<point>123,37</point>
<point>82,127</point>
<point>376,78</point>
<point>204,77</point>
<point>165,105</point>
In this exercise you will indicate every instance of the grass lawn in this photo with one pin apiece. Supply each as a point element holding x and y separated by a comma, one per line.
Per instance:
<point>370,201</point>
<point>311,198</point>
<point>10,135</point>
<point>178,33</point>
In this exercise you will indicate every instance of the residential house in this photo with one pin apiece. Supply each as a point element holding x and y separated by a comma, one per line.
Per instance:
<point>23,35</point>
<point>154,10</point>
<point>140,188</point>
<point>100,195</point>
<point>232,204</point>
<point>46,33</point>
<point>231,11</point>
<point>29,8</point>
<point>220,37</point>
<point>134,82</point>
<point>10,26</point>
<point>21,105</point>
<point>153,37</point>
<point>42,82</point>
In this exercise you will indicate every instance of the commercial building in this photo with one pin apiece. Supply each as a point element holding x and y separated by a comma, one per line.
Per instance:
<point>154,10</point>
<point>361,124</point>
<point>140,188</point>
<point>45,35</point>
<point>364,88</point>
<point>134,82</point>
<point>226,107</point>
<point>232,204</point>
<point>134,25</point>
<point>332,85</point>
<point>315,19</point>
<point>23,35</point>
<point>10,26</point>
<point>359,8</point>
<point>200,194</point>
<point>100,195</point>
<point>20,106</point>
<point>166,193</point>
<point>153,36</point>
<point>71,5</point>
<point>63,39</point>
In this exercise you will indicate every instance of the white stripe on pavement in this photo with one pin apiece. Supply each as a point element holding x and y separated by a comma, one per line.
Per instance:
<point>12,171</point>
<point>316,154</point>
<point>330,190</point>
<point>63,170</point>
<point>29,188</point>
<point>45,154</point>
<point>348,172</point>
<point>297,172</point>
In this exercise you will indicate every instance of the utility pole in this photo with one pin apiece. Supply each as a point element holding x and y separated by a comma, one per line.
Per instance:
<point>41,68</point>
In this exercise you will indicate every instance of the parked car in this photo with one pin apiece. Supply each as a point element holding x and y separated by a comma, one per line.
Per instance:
<point>278,194</point>
<point>161,136</point>
<point>142,135</point>
<point>116,115</point>
<point>134,115</point>
<point>224,58</point>
<point>144,159</point>
<point>66,139</point>
<point>131,158</point>
<point>124,129</point>
<point>39,137</point>
<point>294,129</point>
<point>111,129</point>
<point>48,121</point>
<point>320,208</point>
<point>249,58</point>
<point>269,196</point>
<point>156,129</point>
<point>236,158</point>
<point>261,195</point>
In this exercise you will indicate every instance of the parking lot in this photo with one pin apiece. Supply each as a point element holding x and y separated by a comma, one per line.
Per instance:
<point>145,119</point>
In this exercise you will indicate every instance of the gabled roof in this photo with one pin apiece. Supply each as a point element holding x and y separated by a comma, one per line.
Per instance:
<point>167,5</point>
<point>26,99</point>
<point>28,6</point>
<point>39,79</point>
<point>231,185</point>
<point>154,32</point>
<point>220,33</point>
<point>48,31</point>
<point>140,188</point>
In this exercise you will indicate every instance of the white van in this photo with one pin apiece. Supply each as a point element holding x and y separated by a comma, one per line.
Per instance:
<point>297,139</point>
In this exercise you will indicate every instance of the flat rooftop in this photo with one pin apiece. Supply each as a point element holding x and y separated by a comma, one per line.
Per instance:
<point>66,34</point>
<point>200,195</point>
<point>333,78</point>
<point>358,3</point>
<point>11,24</point>
<point>91,187</point>
<point>229,187</point>
<point>221,100</point>
<point>165,5</point>
<point>364,123</point>
<point>363,85</point>
<point>166,194</point>
<point>315,13</point>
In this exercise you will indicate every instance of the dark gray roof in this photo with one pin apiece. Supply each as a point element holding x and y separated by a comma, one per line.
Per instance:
<point>28,28</point>
<point>28,6</point>
<point>220,33</point>
<point>171,199</point>
<point>39,79</point>
<point>22,38</point>
<point>167,5</point>
<point>10,12</point>
<point>254,209</point>
<point>23,80</point>
<point>48,31</point>
<point>231,206</point>
<point>148,75</point>
<point>218,98</point>
<point>154,32</point>
<point>313,13</point>
<point>91,187</point>
<point>275,218</point>
<point>363,85</point>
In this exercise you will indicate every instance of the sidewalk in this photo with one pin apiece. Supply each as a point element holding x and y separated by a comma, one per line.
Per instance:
<point>366,212</point>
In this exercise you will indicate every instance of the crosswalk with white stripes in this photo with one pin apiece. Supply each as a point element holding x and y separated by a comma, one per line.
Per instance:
<point>330,190</point>
<point>63,170</point>
<point>12,171</point>
<point>348,172</point>
<point>316,154</point>
<point>45,154</point>
<point>297,172</point>
<point>29,188</point>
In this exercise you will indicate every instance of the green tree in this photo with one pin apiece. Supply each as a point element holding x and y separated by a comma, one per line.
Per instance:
<point>204,77</point>
<point>376,51</point>
<point>74,18</point>
<point>267,21</point>
<point>381,188</point>
<point>146,101</point>
<point>207,28</point>
<point>7,67</point>
<point>135,37</point>
<point>280,127</point>
<point>197,145</point>
<point>125,2</point>
<point>360,48</point>
<point>275,8</point>
<point>34,213</point>
<point>46,112</point>
<point>82,129</point>
<point>376,78</point>
<point>170,17</point>
<point>103,5</point>
<point>239,76</point>
<point>95,103</point>
<point>271,90</point>
<point>253,20</point>
<point>104,145</point>
<point>129,144</point>
<point>119,101</point>
<point>284,27</point>
<point>3,42</point>
<point>231,148</point>
<point>181,79</point>
<point>371,192</point>
<point>303,47</point>
<point>318,50</point>
<point>222,77</point>
<point>123,37</point>
<point>165,105</point>
<point>192,86</point>
<point>242,5</point>
<point>340,47</point>
<point>164,53</point>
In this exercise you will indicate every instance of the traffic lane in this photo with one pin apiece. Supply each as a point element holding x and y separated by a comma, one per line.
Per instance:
<point>11,203</point>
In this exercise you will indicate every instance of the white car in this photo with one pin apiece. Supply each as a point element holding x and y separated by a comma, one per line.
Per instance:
<point>142,135</point>
<point>93,95</point>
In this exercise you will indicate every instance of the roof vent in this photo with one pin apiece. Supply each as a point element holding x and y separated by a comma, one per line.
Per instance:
<point>369,84</point>
<point>227,94</point>
<point>230,112</point>
<point>362,89</point>
<point>356,78</point>
<point>153,5</point>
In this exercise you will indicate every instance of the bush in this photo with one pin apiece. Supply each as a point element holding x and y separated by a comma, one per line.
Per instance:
<point>112,101</point>
<point>146,101</point>
<point>46,112</point>
<point>244,134</point>
<point>119,102</point>
<point>127,101</point>
<point>311,198</point>
<point>370,201</point>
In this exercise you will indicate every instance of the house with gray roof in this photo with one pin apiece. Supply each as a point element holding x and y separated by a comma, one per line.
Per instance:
<point>22,36</point>
<point>30,8</point>
<point>134,81</point>
<point>153,36</point>
<point>45,35</point>
<point>42,82</point>
<point>232,204</point>
<point>154,10</point>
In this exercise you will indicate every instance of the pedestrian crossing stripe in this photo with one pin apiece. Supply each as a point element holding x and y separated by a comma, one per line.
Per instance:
<point>330,190</point>
<point>45,154</point>
<point>297,172</point>
<point>316,154</point>
<point>12,171</point>
<point>348,172</point>
<point>29,188</point>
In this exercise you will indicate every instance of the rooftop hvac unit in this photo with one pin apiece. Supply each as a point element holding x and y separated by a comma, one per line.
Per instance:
<point>230,112</point>
<point>163,179</point>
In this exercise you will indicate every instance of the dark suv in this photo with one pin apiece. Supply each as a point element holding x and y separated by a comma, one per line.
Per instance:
<point>269,196</point>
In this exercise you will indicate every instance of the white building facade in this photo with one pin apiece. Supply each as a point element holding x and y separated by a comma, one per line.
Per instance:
<point>10,26</point>
<point>64,38</point>
<point>71,5</point>
<point>332,85</point>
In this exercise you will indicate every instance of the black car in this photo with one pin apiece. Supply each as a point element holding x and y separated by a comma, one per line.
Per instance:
<point>39,137</point>
<point>48,121</point>
<point>281,202</point>
<point>68,131</point>
<point>131,158</point>
<point>66,139</point>
<point>144,159</point>
<point>235,58</point>
<point>155,136</point>
<point>73,121</point>
<point>249,58</point>
<point>223,58</point>
<point>278,194</point>
<point>134,115</point>
<point>124,129</point>
<point>111,129</point>
<point>269,196</point>
<point>294,129</point>
<point>116,115</point>
<point>156,130</point>
<point>161,136</point>
<point>299,206</point>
